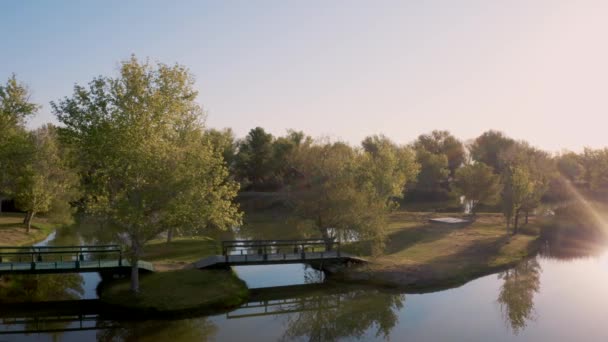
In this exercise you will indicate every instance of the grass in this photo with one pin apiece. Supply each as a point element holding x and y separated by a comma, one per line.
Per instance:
<point>424,255</point>
<point>180,252</point>
<point>179,292</point>
<point>13,232</point>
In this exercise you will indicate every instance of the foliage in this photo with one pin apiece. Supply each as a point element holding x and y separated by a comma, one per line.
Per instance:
<point>15,108</point>
<point>443,142</point>
<point>488,147</point>
<point>596,170</point>
<point>518,187</point>
<point>145,163</point>
<point>433,174</point>
<point>45,183</point>
<point>478,184</point>
<point>347,192</point>
<point>254,158</point>
<point>225,142</point>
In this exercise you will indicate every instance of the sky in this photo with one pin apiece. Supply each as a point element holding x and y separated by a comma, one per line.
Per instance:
<point>535,69</point>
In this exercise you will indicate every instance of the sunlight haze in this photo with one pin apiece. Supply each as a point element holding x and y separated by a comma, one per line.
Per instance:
<point>536,70</point>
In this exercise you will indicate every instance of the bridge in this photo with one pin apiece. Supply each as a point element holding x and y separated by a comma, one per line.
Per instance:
<point>273,252</point>
<point>66,259</point>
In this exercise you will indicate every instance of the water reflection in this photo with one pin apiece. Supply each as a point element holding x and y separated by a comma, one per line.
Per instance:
<point>347,315</point>
<point>199,329</point>
<point>516,295</point>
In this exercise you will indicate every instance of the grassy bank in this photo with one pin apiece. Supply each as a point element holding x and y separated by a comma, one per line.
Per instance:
<point>421,255</point>
<point>183,292</point>
<point>13,232</point>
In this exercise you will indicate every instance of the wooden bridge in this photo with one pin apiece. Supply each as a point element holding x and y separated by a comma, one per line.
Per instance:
<point>66,259</point>
<point>273,252</point>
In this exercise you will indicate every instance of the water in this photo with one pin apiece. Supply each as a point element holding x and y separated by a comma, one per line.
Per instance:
<point>560,296</point>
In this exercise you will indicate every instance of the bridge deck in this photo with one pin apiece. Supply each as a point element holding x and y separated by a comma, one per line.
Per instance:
<point>275,258</point>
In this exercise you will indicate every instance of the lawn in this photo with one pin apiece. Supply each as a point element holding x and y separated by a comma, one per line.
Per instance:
<point>180,252</point>
<point>179,292</point>
<point>13,232</point>
<point>421,254</point>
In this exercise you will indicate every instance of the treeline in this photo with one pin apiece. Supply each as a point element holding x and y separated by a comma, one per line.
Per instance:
<point>133,152</point>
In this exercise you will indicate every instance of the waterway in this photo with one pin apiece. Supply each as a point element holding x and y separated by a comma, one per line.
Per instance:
<point>560,295</point>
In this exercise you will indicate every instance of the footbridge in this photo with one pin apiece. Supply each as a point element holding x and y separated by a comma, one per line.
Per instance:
<point>66,259</point>
<point>273,252</point>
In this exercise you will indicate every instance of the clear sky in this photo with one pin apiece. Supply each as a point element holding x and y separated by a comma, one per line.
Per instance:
<point>534,69</point>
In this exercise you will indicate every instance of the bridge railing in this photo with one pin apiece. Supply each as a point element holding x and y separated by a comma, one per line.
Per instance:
<point>270,249</point>
<point>36,254</point>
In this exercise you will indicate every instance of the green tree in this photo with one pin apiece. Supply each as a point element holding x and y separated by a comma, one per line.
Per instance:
<point>570,165</point>
<point>433,174</point>
<point>225,142</point>
<point>347,192</point>
<point>15,108</point>
<point>46,182</point>
<point>443,142</point>
<point>517,188</point>
<point>488,147</point>
<point>284,151</point>
<point>540,168</point>
<point>595,164</point>
<point>478,184</point>
<point>146,163</point>
<point>254,159</point>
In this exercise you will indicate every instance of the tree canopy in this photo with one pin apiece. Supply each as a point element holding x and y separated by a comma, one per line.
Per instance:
<point>146,165</point>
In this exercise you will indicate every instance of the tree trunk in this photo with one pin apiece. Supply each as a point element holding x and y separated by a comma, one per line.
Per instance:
<point>169,235</point>
<point>527,214</point>
<point>134,268</point>
<point>28,221</point>
<point>516,222</point>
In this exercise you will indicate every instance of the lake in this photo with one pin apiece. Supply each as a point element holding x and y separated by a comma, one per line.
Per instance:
<point>554,296</point>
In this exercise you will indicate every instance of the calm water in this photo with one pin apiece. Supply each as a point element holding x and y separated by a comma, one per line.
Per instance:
<point>559,297</point>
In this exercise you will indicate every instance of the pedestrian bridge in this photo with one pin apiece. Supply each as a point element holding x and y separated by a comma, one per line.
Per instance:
<point>66,259</point>
<point>273,252</point>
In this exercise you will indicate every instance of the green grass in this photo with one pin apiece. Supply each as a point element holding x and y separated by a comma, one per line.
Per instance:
<point>13,232</point>
<point>420,254</point>
<point>180,252</point>
<point>179,292</point>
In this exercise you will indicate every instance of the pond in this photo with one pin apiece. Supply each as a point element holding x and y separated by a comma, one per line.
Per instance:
<point>554,296</point>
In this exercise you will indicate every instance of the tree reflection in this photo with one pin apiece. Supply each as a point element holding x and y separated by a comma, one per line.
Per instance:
<point>516,296</point>
<point>352,314</point>
<point>199,329</point>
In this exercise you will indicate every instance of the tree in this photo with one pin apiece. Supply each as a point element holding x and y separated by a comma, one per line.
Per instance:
<point>443,142</point>
<point>540,168</point>
<point>433,174</point>
<point>254,158</point>
<point>488,147</point>
<point>15,108</point>
<point>223,141</point>
<point>146,163</point>
<point>478,184</point>
<point>347,192</point>
<point>570,165</point>
<point>595,164</point>
<point>517,188</point>
<point>45,183</point>
<point>284,150</point>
